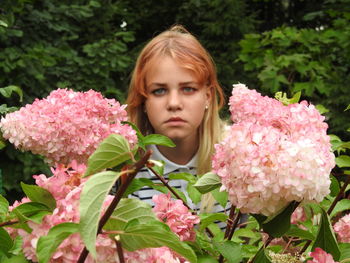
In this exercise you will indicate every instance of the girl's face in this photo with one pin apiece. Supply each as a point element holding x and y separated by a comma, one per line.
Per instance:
<point>176,102</point>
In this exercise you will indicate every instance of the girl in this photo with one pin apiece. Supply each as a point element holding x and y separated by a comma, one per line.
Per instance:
<point>174,92</point>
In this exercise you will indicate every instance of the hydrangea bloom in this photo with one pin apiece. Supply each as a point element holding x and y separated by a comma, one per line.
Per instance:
<point>176,216</point>
<point>298,216</point>
<point>342,229</point>
<point>320,256</point>
<point>65,185</point>
<point>67,125</point>
<point>152,255</point>
<point>273,154</point>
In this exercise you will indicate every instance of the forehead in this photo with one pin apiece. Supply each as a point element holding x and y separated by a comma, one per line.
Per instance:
<point>166,69</point>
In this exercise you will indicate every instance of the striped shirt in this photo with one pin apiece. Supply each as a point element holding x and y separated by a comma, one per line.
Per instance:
<point>146,193</point>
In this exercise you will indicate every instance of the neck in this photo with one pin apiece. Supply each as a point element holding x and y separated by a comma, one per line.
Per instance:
<point>182,153</point>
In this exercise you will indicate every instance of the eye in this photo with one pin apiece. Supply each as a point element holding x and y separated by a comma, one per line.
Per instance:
<point>188,89</point>
<point>159,91</point>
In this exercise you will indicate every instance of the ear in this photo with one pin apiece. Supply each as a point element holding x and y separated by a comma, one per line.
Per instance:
<point>209,94</point>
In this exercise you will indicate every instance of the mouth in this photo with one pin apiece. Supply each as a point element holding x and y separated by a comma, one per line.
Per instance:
<point>175,119</point>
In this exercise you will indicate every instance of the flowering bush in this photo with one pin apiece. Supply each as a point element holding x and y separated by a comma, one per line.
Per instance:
<point>65,185</point>
<point>274,157</point>
<point>66,125</point>
<point>273,154</point>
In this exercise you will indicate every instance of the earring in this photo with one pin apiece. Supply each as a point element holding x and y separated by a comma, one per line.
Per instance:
<point>206,107</point>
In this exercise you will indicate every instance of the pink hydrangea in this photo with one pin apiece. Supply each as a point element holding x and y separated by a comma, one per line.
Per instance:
<point>342,229</point>
<point>152,255</point>
<point>65,185</point>
<point>177,216</point>
<point>66,125</point>
<point>298,216</point>
<point>320,256</point>
<point>273,154</point>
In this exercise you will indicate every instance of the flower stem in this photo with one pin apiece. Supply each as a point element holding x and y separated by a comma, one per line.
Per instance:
<point>230,221</point>
<point>9,223</point>
<point>230,227</point>
<point>119,250</point>
<point>161,178</point>
<point>118,196</point>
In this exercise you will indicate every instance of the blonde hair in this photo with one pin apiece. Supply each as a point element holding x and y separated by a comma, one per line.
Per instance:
<point>185,49</point>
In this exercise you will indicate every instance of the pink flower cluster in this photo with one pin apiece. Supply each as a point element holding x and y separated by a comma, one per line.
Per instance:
<point>273,154</point>
<point>176,216</point>
<point>67,125</point>
<point>320,256</point>
<point>342,229</point>
<point>65,185</point>
<point>152,255</point>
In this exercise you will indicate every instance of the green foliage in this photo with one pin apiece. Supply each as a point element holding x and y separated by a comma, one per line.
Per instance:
<point>325,237</point>
<point>279,224</point>
<point>207,182</point>
<point>59,44</point>
<point>314,61</point>
<point>154,234</point>
<point>111,152</point>
<point>127,210</point>
<point>48,244</point>
<point>92,197</point>
<point>39,195</point>
<point>230,250</point>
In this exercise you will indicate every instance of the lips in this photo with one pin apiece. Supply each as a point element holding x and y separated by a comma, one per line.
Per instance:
<point>175,119</point>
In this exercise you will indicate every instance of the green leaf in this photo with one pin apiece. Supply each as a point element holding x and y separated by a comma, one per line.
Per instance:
<point>136,184</point>
<point>7,92</point>
<point>3,23</point>
<point>92,197</point>
<point>40,195</point>
<point>207,182</point>
<point>220,197</point>
<point>344,251</point>
<point>4,206</point>
<point>347,108</point>
<point>295,231</point>
<point>47,245</point>
<point>16,259</point>
<point>127,210</point>
<point>343,161</point>
<point>206,259</point>
<point>261,257</point>
<point>2,144</point>
<point>193,193</point>
<point>279,224</point>
<point>230,250</point>
<point>325,238</point>
<point>207,219</point>
<point>30,211</point>
<point>154,234</point>
<point>140,137</point>
<point>341,206</point>
<point>16,249</point>
<point>158,139</point>
<point>5,241</point>
<point>322,109</point>
<point>183,176</point>
<point>335,188</point>
<point>112,151</point>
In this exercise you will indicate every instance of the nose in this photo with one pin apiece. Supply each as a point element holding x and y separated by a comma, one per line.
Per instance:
<point>174,101</point>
